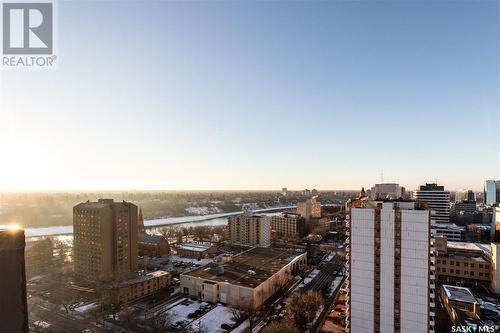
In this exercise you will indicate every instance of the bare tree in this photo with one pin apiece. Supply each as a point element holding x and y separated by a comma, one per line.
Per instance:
<point>160,322</point>
<point>304,306</point>
<point>280,327</point>
<point>245,309</point>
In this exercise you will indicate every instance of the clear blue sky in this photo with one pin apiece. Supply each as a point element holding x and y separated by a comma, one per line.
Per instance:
<point>258,95</point>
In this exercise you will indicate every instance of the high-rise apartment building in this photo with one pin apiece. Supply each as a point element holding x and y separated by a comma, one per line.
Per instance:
<point>386,190</point>
<point>492,192</point>
<point>311,208</point>
<point>287,225</point>
<point>437,199</point>
<point>250,229</point>
<point>13,304</point>
<point>105,239</point>
<point>390,274</point>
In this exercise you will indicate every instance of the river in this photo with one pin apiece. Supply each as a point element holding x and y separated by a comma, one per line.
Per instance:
<point>182,221</point>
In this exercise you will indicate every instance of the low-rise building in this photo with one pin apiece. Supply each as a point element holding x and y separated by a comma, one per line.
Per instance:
<point>248,278</point>
<point>460,303</point>
<point>196,251</point>
<point>141,286</point>
<point>288,225</point>
<point>451,231</point>
<point>152,245</point>
<point>462,262</point>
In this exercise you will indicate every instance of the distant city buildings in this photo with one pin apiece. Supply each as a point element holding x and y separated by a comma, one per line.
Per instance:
<point>465,195</point>
<point>288,225</point>
<point>105,240</point>
<point>13,302</point>
<point>284,191</point>
<point>390,274</point>
<point>437,199</point>
<point>249,229</point>
<point>311,208</point>
<point>386,191</point>
<point>492,192</point>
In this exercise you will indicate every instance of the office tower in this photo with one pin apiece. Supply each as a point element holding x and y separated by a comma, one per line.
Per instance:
<point>386,190</point>
<point>311,208</point>
<point>465,195</point>
<point>288,225</point>
<point>105,239</point>
<point>250,229</point>
<point>390,274</point>
<point>437,199</point>
<point>13,304</point>
<point>284,191</point>
<point>492,192</point>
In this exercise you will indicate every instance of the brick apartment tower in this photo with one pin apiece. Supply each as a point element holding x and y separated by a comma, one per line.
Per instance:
<point>390,274</point>
<point>105,240</point>
<point>13,305</point>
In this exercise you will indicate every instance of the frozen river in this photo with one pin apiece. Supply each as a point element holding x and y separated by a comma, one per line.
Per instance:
<point>182,221</point>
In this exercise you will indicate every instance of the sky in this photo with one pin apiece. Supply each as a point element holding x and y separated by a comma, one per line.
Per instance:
<point>258,95</point>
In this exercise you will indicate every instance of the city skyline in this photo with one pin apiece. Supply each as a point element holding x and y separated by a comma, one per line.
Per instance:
<point>258,96</point>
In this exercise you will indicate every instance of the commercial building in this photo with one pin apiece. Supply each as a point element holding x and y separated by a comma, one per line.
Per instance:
<point>437,199</point>
<point>140,286</point>
<point>311,208</point>
<point>249,229</point>
<point>105,240</point>
<point>386,191</point>
<point>451,231</point>
<point>460,303</point>
<point>462,262</point>
<point>195,251</point>
<point>288,225</point>
<point>13,304</point>
<point>495,267</point>
<point>464,207</point>
<point>390,272</point>
<point>492,192</point>
<point>249,278</point>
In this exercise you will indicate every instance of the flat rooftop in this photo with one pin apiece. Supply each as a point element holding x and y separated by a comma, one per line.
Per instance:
<point>143,277</point>
<point>249,268</point>
<point>460,294</point>
<point>194,247</point>
<point>447,226</point>
<point>470,247</point>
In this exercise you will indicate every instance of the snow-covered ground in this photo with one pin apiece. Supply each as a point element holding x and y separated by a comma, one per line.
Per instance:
<point>335,283</point>
<point>180,311</point>
<point>309,278</point>
<point>214,319</point>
